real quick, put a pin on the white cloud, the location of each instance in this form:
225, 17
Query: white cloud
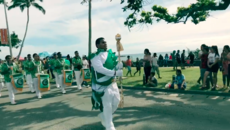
70, 18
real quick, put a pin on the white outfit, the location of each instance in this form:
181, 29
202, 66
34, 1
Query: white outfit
11, 91
38, 92
56, 79
61, 83
79, 79
154, 61
85, 64
212, 57
111, 97
1, 87
29, 81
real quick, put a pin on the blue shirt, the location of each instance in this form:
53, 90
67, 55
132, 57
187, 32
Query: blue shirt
180, 79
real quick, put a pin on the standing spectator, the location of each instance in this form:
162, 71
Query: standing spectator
147, 63
170, 57
191, 57
178, 59
174, 60
155, 66
166, 60
183, 59
85, 66
213, 66
202, 47
129, 65
161, 60
225, 61
138, 67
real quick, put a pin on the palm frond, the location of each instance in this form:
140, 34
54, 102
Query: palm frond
15, 5
22, 7
1, 1
39, 7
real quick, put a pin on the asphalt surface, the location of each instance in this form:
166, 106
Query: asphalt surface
144, 110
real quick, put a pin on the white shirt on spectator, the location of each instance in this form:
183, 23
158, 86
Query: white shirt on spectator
85, 64
154, 61
212, 57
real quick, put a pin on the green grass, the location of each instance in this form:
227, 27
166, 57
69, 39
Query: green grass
191, 75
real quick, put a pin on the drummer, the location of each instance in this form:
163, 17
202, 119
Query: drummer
28, 70
54, 69
37, 68
59, 65
7, 69
1, 79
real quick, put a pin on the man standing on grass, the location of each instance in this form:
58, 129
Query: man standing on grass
28, 71
77, 63
129, 65
106, 96
174, 59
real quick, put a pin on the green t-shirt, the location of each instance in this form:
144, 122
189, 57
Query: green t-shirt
28, 64
59, 65
76, 61
38, 67
7, 72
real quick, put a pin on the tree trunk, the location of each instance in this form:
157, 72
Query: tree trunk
28, 19
90, 30
8, 30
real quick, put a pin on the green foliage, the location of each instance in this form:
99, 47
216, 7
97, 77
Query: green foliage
197, 12
15, 41
22, 4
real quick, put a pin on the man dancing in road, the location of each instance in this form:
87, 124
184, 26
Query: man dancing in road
28, 70
106, 94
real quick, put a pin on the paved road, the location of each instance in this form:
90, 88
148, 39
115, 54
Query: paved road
143, 110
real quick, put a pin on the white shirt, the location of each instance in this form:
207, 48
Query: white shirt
212, 57
85, 64
154, 61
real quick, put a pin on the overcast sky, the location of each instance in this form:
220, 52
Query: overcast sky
64, 28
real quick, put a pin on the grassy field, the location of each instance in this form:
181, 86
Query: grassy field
191, 75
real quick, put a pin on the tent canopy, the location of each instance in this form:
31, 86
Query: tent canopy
44, 54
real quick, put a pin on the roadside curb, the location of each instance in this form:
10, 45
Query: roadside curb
208, 93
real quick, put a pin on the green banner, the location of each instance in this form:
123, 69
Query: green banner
86, 74
44, 81
18, 80
68, 76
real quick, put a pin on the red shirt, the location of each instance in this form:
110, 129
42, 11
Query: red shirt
129, 62
204, 61
170, 57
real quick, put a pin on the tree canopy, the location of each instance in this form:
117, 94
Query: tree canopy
15, 41
197, 12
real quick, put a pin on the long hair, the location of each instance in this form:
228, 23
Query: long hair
215, 48
147, 51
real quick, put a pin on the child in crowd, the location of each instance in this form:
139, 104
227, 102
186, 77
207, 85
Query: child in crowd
179, 80
152, 80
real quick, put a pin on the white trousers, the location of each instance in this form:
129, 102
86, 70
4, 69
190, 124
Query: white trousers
57, 79
61, 83
35, 83
29, 81
110, 102
1, 86
11, 91
79, 78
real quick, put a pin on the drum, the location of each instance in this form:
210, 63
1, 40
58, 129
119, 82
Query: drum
43, 82
68, 77
17, 81
86, 75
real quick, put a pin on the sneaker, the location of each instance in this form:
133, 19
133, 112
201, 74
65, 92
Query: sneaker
87, 86
63, 91
39, 97
83, 85
13, 103
0, 94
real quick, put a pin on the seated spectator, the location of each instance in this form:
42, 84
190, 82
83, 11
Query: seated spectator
152, 80
179, 80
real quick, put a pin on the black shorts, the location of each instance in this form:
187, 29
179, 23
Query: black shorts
214, 68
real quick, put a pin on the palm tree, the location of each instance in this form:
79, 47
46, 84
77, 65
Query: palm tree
8, 30
90, 25
22, 4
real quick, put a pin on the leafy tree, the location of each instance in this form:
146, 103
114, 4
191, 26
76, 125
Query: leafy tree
22, 4
15, 41
197, 12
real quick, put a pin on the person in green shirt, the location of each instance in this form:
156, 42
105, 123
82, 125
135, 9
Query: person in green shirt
54, 69
36, 68
77, 63
28, 70
59, 65
174, 59
7, 69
